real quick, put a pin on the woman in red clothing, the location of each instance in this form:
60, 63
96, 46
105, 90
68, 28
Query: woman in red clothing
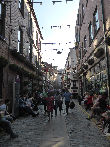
89, 103
50, 105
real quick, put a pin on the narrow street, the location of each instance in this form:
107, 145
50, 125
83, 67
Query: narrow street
62, 131
50, 50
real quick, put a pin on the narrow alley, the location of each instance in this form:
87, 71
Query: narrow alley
72, 130
53, 51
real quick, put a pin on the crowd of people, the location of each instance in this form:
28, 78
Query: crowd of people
99, 107
52, 102
28, 105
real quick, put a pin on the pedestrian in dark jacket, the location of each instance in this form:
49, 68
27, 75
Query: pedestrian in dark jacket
79, 99
58, 102
67, 96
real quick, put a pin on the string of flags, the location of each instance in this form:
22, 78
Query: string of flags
48, 43
60, 1
59, 26
56, 1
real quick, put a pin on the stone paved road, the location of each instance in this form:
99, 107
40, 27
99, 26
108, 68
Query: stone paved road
55, 134
29, 129
34, 132
82, 132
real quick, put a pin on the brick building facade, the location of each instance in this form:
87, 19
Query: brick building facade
20, 46
91, 31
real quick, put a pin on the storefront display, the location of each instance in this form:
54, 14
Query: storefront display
96, 78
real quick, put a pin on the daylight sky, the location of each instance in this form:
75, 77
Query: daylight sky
60, 14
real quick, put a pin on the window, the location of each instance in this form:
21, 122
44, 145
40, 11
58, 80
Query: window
96, 21
77, 19
86, 2
82, 12
19, 34
74, 83
78, 36
30, 53
40, 45
21, 7
36, 38
82, 50
68, 64
85, 45
2, 19
0, 11
85, 42
90, 33
79, 53
28, 20
80, 20
19, 4
34, 58
30, 26
20, 41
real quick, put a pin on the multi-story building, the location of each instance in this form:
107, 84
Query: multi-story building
20, 45
70, 76
49, 75
92, 35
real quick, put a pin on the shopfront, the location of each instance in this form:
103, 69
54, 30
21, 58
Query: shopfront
96, 78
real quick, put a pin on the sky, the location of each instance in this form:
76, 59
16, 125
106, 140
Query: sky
63, 15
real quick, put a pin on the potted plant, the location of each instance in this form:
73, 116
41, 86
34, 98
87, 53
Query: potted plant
99, 52
85, 66
91, 61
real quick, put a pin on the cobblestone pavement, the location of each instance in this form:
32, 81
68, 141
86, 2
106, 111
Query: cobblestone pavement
55, 134
82, 132
33, 131
29, 129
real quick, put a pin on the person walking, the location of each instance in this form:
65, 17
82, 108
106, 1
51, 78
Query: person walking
50, 104
44, 96
67, 96
58, 102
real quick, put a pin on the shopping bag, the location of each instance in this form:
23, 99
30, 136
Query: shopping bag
72, 105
